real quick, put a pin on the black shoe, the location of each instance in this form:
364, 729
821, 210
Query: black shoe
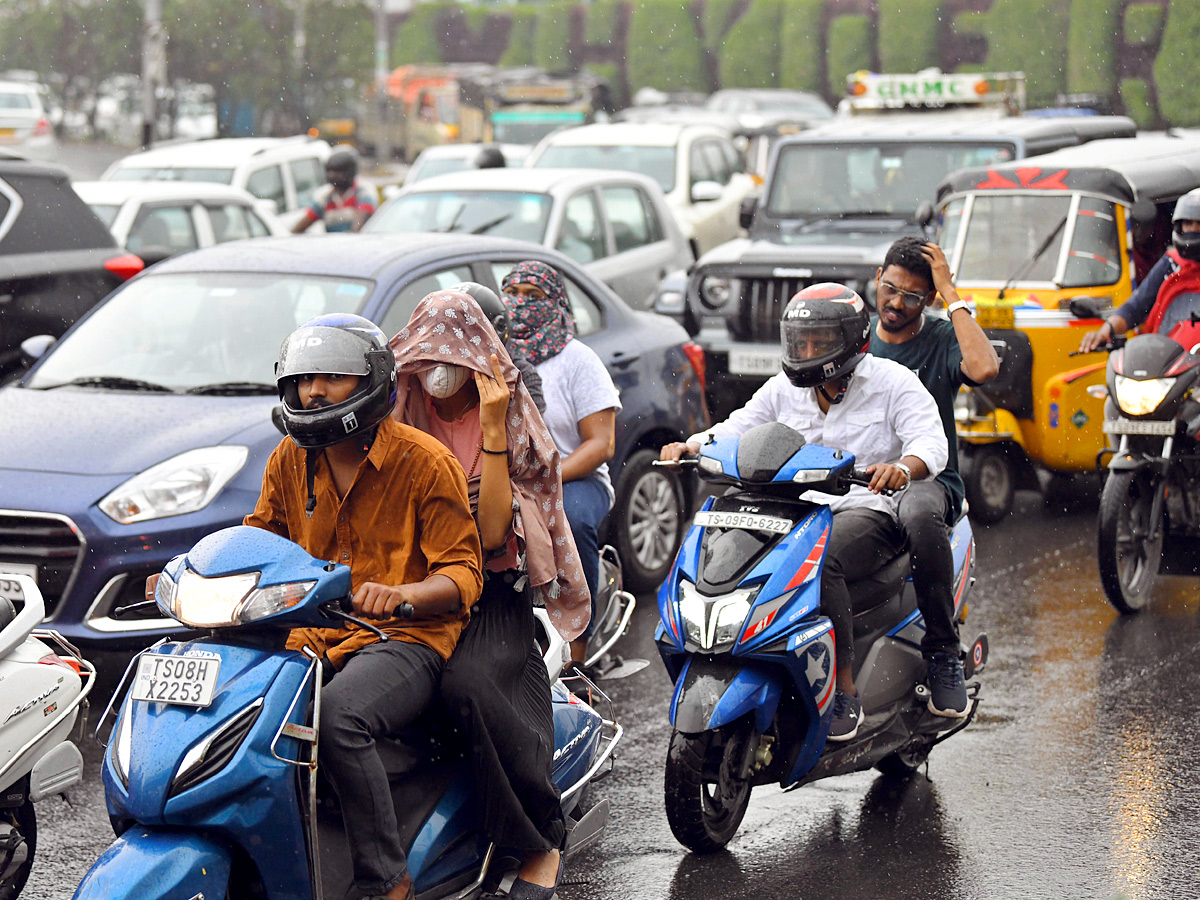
947, 687
847, 713
525, 890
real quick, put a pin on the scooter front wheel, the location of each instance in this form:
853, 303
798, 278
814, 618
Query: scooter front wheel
705, 797
1128, 558
22, 822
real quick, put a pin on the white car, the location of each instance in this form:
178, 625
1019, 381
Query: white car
616, 224
284, 171
444, 158
698, 168
158, 219
25, 126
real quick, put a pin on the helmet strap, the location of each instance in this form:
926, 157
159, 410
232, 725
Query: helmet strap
836, 398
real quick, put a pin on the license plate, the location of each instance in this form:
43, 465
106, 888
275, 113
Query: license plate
181, 680
747, 521
7, 132
1131, 426
754, 362
9, 589
995, 316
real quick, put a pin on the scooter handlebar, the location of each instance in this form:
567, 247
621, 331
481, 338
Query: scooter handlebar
861, 478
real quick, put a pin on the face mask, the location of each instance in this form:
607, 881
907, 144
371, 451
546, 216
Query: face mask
443, 381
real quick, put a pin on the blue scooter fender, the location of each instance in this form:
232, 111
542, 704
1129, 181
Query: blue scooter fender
154, 862
711, 693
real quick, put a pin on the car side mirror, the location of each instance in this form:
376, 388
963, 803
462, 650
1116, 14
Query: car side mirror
268, 209
1143, 212
34, 348
277, 419
706, 191
1084, 308
746, 210
924, 214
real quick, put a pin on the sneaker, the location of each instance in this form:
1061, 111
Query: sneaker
947, 687
847, 713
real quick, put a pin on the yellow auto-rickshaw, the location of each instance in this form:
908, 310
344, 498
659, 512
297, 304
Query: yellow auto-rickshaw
1024, 240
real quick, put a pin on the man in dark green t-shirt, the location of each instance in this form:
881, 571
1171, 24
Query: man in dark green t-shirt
945, 354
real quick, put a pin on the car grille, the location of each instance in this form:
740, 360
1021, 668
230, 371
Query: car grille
761, 306
52, 543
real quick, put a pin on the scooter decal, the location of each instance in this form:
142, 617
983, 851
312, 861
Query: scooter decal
808, 568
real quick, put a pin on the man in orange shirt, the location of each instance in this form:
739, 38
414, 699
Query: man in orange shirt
352, 485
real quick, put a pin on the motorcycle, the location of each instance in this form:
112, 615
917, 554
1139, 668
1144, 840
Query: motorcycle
211, 771
614, 609
1149, 521
45, 686
752, 657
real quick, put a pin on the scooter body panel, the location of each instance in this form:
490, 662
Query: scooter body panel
33, 694
160, 863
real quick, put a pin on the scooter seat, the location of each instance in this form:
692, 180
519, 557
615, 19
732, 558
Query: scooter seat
872, 591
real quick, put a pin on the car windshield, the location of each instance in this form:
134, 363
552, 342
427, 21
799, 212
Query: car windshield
656, 162
511, 214
440, 166
105, 212
812, 107
171, 173
1006, 231
195, 331
814, 180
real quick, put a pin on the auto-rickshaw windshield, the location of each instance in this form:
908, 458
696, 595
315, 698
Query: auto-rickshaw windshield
1004, 233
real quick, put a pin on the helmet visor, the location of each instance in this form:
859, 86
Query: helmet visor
319, 350
807, 344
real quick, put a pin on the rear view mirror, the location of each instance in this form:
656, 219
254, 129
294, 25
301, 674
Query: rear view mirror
34, 348
1143, 212
1084, 307
924, 214
706, 191
268, 209
746, 212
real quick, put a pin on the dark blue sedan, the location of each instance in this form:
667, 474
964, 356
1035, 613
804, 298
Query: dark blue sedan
148, 424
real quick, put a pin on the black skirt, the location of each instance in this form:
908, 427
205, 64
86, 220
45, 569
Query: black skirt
496, 689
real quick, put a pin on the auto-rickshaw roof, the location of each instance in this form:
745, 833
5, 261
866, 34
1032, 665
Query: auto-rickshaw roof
1158, 169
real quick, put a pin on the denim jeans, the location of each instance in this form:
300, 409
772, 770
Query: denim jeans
586, 503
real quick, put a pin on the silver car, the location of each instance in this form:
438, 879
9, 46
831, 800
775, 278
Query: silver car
25, 126
616, 224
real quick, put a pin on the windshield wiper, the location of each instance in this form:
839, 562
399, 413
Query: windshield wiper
488, 226
234, 388
1026, 266
116, 382
453, 223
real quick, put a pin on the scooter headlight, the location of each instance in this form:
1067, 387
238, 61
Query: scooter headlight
713, 623
1140, 398
229, 599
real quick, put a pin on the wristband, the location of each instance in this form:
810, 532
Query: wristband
906, 470
503, 452
957, 305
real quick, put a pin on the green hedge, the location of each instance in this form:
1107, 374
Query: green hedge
1175, 65
664, 50
1091, 46
908, 35
602, 21
552, 38
1135, 97
750, 54
801, 61
847, 50
714, 20
1143, 22
418, 40
519, 51
1026, 36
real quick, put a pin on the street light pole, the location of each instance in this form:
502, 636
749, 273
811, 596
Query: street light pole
154, 66
383, 146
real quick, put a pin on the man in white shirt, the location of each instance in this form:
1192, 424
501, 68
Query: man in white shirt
836, 395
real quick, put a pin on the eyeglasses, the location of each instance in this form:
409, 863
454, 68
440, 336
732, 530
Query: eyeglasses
889, 292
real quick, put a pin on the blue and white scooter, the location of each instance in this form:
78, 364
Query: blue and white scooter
752, 657
211, 770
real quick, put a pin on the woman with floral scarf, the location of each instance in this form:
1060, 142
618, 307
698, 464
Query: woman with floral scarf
457, 382
581, 407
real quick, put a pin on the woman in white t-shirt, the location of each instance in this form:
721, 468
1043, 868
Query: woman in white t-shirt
581, 408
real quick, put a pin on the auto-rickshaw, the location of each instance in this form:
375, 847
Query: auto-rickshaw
1024, 240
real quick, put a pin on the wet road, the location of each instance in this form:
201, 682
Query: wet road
1077, 779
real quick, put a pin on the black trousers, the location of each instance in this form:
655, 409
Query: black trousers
496, 689
924, 507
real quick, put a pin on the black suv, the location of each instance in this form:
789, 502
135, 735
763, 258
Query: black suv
834, 200
57, 259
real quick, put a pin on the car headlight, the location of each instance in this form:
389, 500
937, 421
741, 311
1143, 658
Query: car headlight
227, 600
1139, 398
715, 291
181, 484
714, 622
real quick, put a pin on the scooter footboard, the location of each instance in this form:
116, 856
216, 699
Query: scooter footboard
160, 863
711, 693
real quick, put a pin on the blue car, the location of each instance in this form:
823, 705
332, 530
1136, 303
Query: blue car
148, 424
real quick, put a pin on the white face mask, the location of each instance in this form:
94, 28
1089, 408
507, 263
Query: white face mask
443, 381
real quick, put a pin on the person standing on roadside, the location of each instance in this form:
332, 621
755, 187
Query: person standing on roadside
345, 203
945, 354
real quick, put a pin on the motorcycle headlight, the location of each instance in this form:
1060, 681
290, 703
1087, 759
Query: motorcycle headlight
1140, 398
716, 291
714, 622
229, 599
181, 484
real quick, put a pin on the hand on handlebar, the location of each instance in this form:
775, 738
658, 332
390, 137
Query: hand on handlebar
379, 601
886, 478
1096, 340
674, 452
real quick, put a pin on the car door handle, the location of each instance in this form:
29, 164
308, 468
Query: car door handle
622, 359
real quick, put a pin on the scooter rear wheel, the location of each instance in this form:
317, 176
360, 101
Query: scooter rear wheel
23, 819
903, 762
1128, 561
704, 798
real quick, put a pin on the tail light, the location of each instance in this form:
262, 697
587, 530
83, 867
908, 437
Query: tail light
125, 267
42, 128
53, 659
695, 354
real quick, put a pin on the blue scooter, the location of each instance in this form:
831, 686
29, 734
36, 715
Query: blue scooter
211, 771
752, 657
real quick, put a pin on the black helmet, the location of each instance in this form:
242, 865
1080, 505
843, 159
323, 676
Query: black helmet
490, 157
336, 344
343, 159
1186, 207
825, 330
493, 307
